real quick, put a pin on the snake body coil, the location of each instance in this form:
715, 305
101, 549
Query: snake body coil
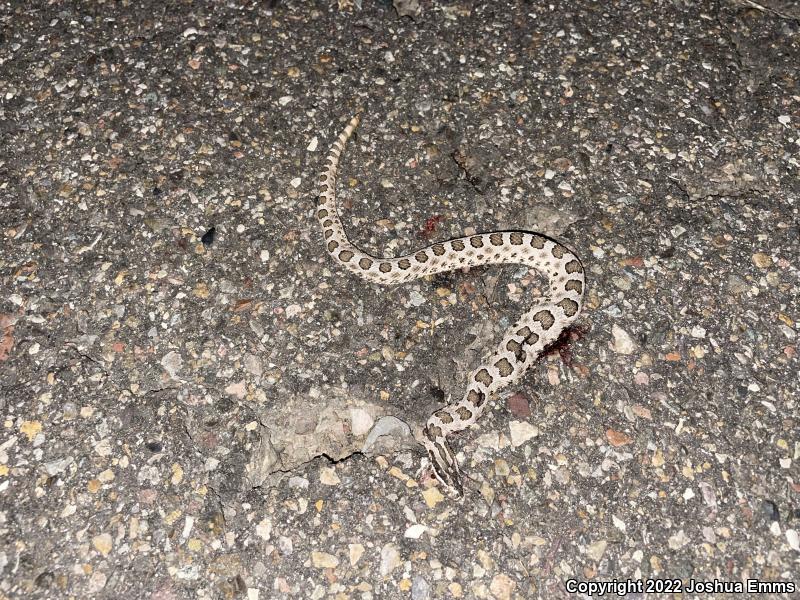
522, 343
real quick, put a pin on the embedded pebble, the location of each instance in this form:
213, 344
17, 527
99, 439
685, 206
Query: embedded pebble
623, 344
264, 529
678, 540
596, 550
432, 497
356, 551
297, 482
390, 559
415, 298
502, 586
388, 432
172, 363
420, 588
617, 438
519, 406
521, 432
415, 531
761, 260
286, 545
360, 421
794, 539
57, 466
736, 285
324, 560
328, 476
97, 581
698, 332
102, 543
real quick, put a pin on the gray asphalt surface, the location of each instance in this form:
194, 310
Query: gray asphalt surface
186, 379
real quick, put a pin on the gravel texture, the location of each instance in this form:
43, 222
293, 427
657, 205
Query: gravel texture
197, 403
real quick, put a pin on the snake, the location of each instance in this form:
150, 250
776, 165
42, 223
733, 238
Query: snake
541, 325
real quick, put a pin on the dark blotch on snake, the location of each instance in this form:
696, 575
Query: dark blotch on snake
476, 398
544, 317
574, 285
432, 432
457, 245
365, 263
515, 347
421, 256
569, 306
483, 377
504, 367
444, 416
404, 264
476, 241
345, 255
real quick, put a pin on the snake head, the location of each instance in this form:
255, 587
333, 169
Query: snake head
445, 466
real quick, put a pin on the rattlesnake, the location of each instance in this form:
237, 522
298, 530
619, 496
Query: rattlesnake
521, 344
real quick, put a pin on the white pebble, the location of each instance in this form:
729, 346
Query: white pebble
390, 559
677, 541
323, 560
596, 550
328, 476
415, 531
172, 363
793, 539
623, 344
618, 523
416, 298
521, 432
698, 332
360, 421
